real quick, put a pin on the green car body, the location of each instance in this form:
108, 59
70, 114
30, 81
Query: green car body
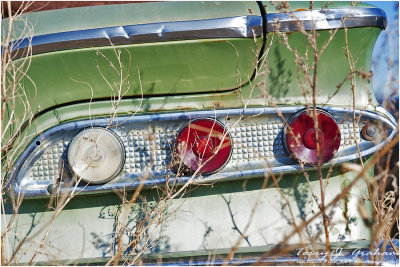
164, 80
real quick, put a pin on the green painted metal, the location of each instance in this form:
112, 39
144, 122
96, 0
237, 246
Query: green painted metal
74, 19
110, 72
144, 69
287, 83
200, 220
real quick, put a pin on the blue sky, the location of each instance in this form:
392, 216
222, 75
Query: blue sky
387, 47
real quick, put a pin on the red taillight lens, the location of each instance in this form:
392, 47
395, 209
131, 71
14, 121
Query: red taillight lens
204, 145
301, 137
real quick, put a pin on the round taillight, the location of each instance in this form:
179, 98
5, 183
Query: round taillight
301, 137
204, 146
96, 155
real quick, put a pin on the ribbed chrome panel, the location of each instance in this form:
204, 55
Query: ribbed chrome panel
47, 168
256, 142
141, 147
348, 134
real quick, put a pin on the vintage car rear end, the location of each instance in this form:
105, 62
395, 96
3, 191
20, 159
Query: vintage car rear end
190, 132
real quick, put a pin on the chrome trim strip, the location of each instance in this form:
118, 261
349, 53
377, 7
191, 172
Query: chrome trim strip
282, 165
233, 27
325, 19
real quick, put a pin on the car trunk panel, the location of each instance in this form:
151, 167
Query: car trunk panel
168, 68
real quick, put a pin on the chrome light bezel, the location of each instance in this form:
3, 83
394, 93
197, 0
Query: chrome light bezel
237, 168
73, 143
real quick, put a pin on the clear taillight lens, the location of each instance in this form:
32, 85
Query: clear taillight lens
96, 155
204, 145
301, 137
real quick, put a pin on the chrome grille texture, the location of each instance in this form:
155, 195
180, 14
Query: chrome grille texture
250, 142
49, 165
141, 147
347, 133
256, 142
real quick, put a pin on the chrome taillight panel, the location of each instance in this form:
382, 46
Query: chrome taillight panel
149, 142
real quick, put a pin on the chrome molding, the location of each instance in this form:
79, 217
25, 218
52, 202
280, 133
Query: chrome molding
233, 27
325, 19
256, 139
